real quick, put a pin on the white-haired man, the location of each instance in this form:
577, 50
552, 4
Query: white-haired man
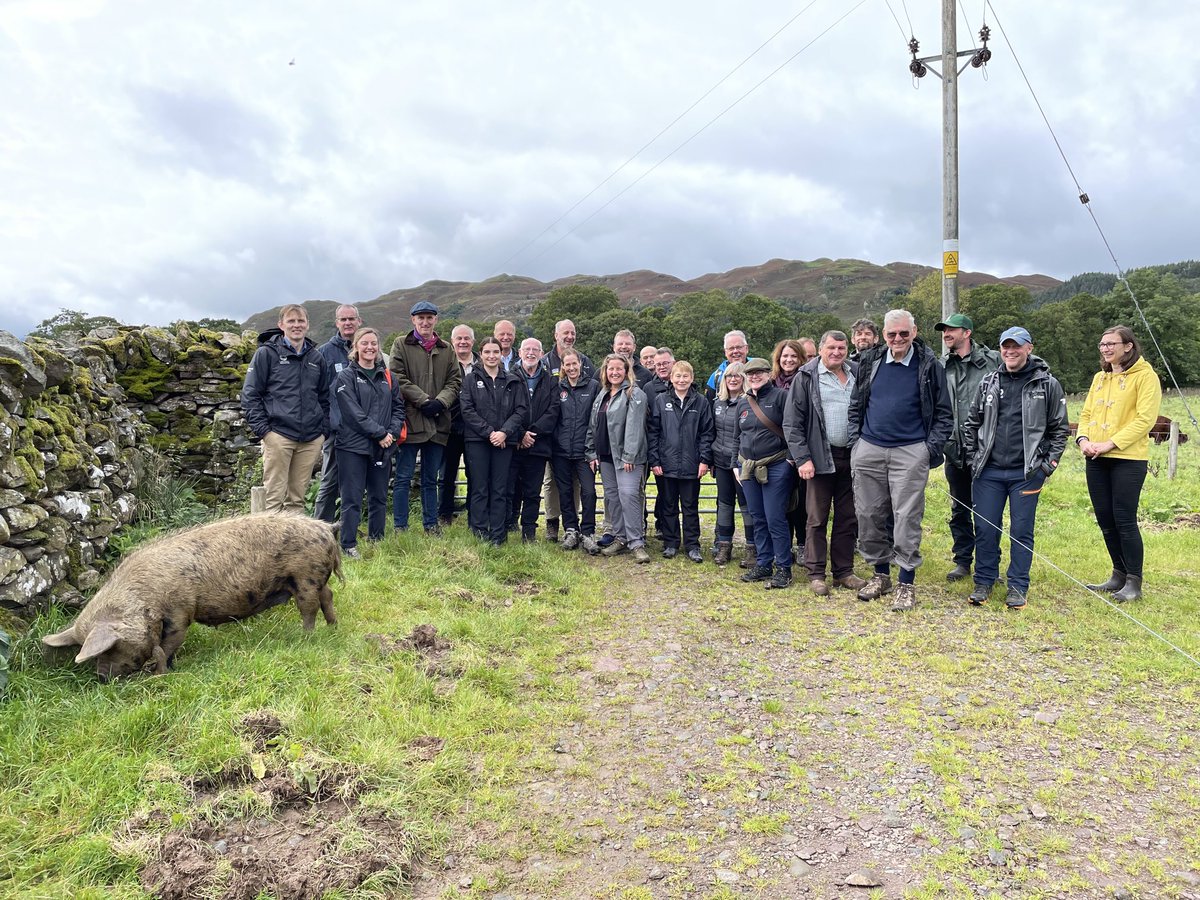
900, 418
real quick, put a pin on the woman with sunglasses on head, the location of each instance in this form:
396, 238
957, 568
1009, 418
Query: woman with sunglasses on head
1114, 437
787, 358
766, 474
729, 492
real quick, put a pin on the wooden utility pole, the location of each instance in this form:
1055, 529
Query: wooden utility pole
949, 76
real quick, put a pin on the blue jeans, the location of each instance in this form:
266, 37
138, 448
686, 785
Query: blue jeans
768, 505
991, 490
431, 472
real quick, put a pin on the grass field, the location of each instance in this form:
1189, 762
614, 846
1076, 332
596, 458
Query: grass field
403, 747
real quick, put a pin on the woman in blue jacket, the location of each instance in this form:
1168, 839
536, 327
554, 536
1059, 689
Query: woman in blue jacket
372, 417
680, 438
494, 406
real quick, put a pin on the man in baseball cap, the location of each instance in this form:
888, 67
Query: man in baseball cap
966, 362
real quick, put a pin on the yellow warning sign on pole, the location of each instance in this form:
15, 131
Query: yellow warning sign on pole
950, 263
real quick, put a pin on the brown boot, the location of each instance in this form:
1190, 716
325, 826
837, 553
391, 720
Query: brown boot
750, 558
724, 553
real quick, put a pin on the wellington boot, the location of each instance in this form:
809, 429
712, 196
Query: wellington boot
1131, 591
1115, 582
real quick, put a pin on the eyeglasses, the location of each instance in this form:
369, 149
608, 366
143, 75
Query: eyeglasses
1108, 345
896, 334
733, 377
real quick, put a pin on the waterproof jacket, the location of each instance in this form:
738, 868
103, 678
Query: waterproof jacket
574, 416
434, 375
1122, 407
543, 411
679, 434
493, 405
754, 440
370, 408
725, 429
1043, 417
641, 374
286, 391
626, 417
336, 351
936, 413
804, 418
963, 374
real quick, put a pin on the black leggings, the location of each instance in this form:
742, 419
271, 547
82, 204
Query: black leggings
1115, 485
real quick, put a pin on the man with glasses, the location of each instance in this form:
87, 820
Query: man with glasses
899, 420
736, 350
336, 351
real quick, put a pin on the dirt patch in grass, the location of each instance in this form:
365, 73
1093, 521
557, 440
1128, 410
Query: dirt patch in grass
289, 831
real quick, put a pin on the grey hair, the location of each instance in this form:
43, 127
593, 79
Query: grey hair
833, 335
896, 315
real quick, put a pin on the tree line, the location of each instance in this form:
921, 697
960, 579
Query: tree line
1065, 331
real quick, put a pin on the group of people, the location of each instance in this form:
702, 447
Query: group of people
841, 428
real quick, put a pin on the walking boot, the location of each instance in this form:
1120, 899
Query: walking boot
552, 530
1115, 582
723, 553
749, 558
1131, 591
781, 579
758, 573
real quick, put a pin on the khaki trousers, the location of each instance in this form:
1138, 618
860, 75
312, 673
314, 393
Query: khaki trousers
287, 470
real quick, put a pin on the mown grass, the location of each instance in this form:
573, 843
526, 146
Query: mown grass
78, 759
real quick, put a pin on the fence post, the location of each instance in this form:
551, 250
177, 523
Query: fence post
1173, 451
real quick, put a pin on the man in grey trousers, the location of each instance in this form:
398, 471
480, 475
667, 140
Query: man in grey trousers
900, 418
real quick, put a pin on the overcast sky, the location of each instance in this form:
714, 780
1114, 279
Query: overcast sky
168, 160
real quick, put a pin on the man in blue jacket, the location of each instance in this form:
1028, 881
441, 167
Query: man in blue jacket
286, 401
336, 351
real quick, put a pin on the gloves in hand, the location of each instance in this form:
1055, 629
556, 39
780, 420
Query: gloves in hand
433, 408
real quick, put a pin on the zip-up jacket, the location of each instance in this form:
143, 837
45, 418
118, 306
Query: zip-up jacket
499, 405
423, 376
543, 411
725, 429
370, 408
1122, 407
287, 391
804, 418
336, 351
755, 440
679, 434
456, 425
936, 413
963, 374
626, 417
1043, 417
574, 416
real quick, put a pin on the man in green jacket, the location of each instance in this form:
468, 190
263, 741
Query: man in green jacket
966, 362
429, 376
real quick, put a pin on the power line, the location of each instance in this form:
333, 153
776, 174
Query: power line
648, 143
904, 37
1086, 201
696, 133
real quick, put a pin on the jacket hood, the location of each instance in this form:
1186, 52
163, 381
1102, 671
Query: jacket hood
265, 337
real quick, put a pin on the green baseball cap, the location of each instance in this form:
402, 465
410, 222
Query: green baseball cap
958, 320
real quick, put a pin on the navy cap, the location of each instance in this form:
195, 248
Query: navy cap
423, 307
1016, 333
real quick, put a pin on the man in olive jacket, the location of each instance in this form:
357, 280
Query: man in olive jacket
966, 364
429, 376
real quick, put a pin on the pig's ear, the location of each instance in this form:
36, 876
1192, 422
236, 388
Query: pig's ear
62, 639
99, 639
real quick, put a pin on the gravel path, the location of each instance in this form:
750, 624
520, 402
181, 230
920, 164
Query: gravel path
726, 741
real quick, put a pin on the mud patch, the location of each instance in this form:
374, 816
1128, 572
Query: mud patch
276, 837
525, 587
426, 747
423, 639
260, 728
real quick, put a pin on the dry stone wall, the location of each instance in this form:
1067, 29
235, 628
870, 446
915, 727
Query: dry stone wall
76, 425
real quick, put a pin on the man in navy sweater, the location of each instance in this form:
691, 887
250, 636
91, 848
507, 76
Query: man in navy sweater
900, 418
